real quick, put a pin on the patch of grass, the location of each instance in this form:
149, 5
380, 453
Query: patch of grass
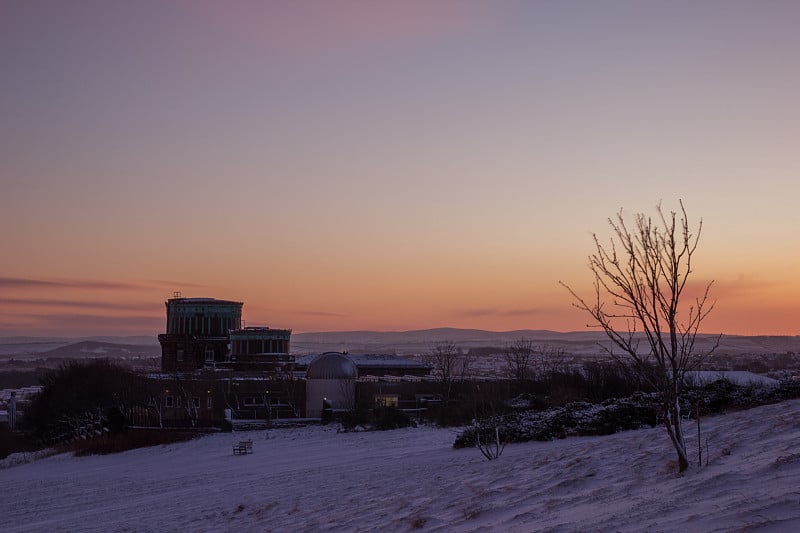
419, 522
472, 513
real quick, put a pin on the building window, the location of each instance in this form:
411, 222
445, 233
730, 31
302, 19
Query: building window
179, 354
386, 400
169, 401
208, 402
209, 355
196, 402
252, 400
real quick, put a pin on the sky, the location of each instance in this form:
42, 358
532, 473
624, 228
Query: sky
360, 165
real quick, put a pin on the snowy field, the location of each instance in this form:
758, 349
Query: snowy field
315, 479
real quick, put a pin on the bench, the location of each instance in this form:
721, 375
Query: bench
243, 447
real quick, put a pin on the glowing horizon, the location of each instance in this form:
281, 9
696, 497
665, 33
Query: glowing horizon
356, 165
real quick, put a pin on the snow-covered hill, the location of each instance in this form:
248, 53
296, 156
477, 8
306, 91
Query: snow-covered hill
315, 479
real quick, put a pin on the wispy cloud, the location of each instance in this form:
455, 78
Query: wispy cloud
88, 323
62, 283
732, 288
12, 283
33, 302
28, 283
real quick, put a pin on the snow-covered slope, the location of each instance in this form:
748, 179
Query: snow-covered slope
315, 479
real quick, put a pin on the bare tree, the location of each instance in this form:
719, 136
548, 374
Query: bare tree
640, 279
156, 404
449, 365
487, 422
191, 401
289, 387
490, 445
549, 360
526, 360
519, 356
347, 394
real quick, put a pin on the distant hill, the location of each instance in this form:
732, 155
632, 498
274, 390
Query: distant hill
576, 342
94, 349
33, 349
400, 342
130, 339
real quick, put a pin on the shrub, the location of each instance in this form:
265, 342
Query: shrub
11, 442
575, 419
82, 398
380, 419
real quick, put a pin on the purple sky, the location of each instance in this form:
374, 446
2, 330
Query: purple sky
387, 165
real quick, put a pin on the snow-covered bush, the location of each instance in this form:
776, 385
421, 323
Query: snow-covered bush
723, 395
611, 416
574, 419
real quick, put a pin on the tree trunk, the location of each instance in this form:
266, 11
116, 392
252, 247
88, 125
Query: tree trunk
672, 420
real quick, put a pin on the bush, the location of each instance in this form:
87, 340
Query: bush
611, 416
391, 418
80, 399
380, 419
723, 395
13, 441
575, 419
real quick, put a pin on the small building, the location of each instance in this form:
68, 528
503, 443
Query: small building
213, 369
330, 384
207, 397
332, 378
261, 349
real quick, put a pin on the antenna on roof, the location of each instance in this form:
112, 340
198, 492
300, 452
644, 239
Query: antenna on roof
176, 294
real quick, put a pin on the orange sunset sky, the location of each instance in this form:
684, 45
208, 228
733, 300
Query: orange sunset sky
353, 165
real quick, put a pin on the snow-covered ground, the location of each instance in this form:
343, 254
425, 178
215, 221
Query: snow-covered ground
315, 479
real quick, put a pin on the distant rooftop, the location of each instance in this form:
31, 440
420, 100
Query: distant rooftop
366, 360
256, 330
202, 301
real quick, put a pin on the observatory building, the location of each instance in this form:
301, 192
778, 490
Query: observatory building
207, 333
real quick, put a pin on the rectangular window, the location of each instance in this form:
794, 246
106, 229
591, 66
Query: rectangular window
179, 354
169, 401
196, 402
209, 355
208, 402
386, 400
252, 400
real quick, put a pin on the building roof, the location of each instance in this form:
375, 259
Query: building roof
332, 365
336, 365
195, 301
387, 360
255, 331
